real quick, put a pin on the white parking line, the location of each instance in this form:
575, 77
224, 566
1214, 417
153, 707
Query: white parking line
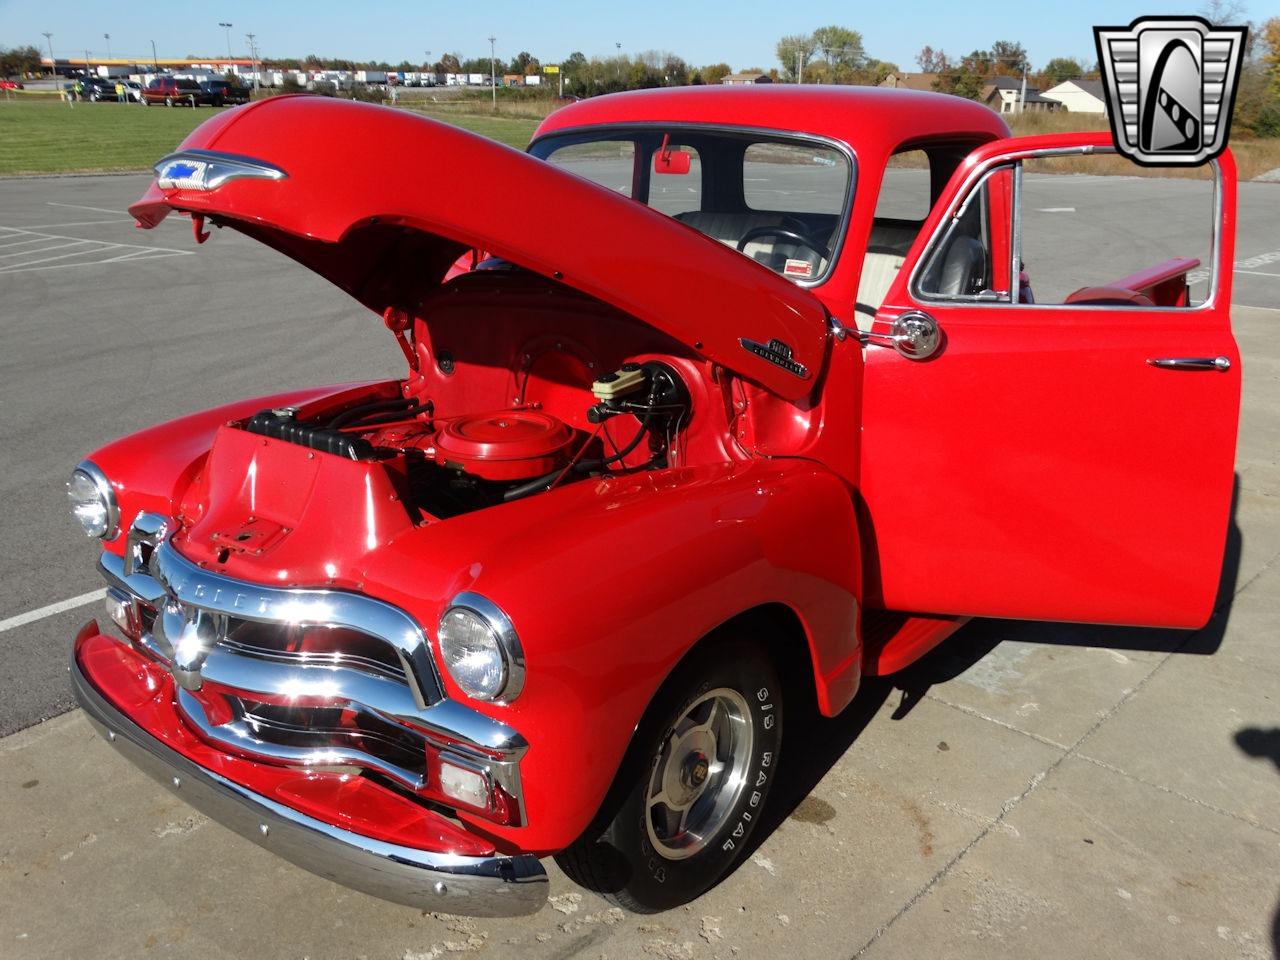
56, 246
75, 223
53, 609
81, 206
1258, 273
89, 252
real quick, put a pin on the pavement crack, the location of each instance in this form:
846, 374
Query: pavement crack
1012, 804
978, 714
1176, 793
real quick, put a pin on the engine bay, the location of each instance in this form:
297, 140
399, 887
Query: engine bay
449, 464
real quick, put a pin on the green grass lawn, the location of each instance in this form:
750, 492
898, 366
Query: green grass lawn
47, 136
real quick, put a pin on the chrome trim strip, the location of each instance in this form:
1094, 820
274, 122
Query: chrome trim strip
205, 590
979, 173
1015, 238
239, 736
94, 473
501, 625
427, 880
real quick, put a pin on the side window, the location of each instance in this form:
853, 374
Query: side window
610, 163
1092, 232
901, 208
971, 256
1078, 229
905, 192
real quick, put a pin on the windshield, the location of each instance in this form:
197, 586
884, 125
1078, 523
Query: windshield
779, 200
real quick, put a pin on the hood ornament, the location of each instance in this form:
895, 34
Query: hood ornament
208, 170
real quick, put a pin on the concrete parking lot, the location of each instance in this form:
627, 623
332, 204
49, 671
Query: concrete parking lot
1026, 790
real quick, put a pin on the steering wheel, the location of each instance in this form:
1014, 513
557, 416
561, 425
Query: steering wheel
785, 234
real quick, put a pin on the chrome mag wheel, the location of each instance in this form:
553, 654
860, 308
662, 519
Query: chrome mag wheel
699, 774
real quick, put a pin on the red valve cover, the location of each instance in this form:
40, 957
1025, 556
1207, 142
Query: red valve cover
506, 445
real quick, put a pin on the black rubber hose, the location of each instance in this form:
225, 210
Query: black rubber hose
368, 408
582, 466
392, 417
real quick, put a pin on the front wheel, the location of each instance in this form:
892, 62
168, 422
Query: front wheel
685, 803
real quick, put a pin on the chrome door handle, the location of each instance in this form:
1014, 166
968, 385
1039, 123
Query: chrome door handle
1192, 363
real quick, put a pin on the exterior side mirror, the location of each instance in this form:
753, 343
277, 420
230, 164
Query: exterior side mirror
915, 335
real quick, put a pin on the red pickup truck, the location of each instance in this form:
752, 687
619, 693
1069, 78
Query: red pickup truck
695, 429
181, 93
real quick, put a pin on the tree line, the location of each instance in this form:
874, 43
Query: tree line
831, 54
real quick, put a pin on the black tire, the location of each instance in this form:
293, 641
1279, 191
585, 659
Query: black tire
623, 854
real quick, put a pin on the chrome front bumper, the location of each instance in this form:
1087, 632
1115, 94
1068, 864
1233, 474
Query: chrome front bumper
479, 886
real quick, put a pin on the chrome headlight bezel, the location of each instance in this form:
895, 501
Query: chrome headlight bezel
106, 497
506, 644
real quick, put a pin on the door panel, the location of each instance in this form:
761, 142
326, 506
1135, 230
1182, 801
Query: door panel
1038, 465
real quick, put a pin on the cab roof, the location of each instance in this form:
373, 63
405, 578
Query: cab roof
871, 120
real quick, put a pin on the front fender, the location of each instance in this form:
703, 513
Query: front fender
611, 582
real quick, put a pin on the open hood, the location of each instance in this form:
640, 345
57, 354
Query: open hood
382, 203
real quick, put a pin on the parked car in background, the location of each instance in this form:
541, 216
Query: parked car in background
225, 92
133, 90
97, 89
764, 421
11, 85
173, 92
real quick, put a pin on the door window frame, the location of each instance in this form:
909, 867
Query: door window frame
978, 177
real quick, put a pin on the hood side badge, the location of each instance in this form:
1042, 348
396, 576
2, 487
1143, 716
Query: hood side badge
777, 353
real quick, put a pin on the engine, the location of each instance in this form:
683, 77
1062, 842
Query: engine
456, 462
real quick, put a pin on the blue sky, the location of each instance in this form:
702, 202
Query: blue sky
740, 33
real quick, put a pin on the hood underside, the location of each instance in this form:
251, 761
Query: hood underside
382, 203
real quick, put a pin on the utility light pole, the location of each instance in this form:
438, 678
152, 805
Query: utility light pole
227, 27
493, 73
155, 62
107, 37
253, 55
53, 64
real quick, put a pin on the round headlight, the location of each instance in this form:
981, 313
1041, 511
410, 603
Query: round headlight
479, 648
93, 502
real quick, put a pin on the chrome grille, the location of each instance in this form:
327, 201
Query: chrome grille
317, 679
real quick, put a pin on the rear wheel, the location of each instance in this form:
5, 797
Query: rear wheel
684, 805
168, 101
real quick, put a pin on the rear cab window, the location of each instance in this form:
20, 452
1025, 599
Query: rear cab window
780, 200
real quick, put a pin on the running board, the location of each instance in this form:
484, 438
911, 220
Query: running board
892, 640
